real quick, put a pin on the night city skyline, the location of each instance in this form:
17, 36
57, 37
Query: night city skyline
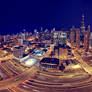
30, 14
45, 46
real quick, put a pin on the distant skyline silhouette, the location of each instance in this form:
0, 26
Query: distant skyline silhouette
16, 15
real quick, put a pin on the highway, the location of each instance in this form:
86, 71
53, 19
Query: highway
18, 79
85, 66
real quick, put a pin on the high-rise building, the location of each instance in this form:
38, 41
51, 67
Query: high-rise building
82, 28
23, 35
86, 39
60, 37
65, 53
55, 37
41, 35
52, 35
6, 38
83, 23
1, 39
60, 53
78, 38
90, 40
20, 41
36, 34
56, 53
26, 35
72, 36
18, 51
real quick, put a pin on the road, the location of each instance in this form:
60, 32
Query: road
18, 79
85, 66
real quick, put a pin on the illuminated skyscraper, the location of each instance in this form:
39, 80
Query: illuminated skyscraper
78, 38
55, 37
83, 24
60, 53
41, 35
60, 37
20, 41
72, 36
56, 53
18, 51
23, 36
86, 39
90, 41
82, 28
36, 34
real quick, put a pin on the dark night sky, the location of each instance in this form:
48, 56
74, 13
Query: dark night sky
18, 14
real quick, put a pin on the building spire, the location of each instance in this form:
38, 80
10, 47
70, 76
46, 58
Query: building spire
82, 22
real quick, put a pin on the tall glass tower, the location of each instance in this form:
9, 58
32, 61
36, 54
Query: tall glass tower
83, 24
82, 28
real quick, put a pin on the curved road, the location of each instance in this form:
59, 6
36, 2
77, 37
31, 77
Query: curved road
18, 79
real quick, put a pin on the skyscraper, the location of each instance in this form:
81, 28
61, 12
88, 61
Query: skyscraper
72, 36
82, 28
56, 53
18, 51
78, 38
36, 34
20, 41
60, 37
83, 24
86, 39
90, 41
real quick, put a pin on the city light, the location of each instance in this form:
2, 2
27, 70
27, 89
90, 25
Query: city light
47, 60
76, 66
